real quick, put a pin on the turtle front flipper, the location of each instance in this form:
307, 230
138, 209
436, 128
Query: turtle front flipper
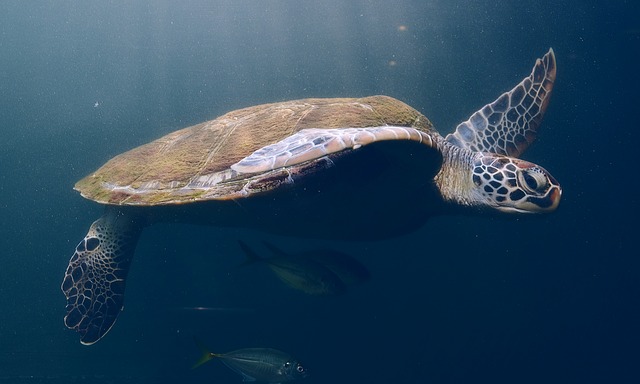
509, 124
94, 281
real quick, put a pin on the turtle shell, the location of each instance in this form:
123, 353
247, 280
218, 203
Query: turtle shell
165, 171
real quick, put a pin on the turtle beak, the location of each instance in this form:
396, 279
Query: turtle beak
550, 201
546, 203
537, 200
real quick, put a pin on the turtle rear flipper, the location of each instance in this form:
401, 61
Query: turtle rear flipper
94, 281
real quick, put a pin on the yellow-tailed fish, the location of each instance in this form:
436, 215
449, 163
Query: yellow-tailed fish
257, 364
305, 275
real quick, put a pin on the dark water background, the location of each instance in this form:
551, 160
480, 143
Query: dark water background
549, 299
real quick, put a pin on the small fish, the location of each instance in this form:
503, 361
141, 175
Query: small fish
347, 268
257, 364
305, 275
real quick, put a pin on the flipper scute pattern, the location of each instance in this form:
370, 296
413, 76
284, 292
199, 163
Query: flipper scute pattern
94, 281
509, 124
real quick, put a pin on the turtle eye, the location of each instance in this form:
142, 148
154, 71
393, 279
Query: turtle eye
533, 181
300, 368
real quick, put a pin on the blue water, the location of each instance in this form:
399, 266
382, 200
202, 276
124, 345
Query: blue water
466, 299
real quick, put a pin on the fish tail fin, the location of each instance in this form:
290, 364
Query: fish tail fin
252, 257
206, 354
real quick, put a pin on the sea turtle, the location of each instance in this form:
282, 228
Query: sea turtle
359, 168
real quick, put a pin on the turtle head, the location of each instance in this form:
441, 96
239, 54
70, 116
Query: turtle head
513, 185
